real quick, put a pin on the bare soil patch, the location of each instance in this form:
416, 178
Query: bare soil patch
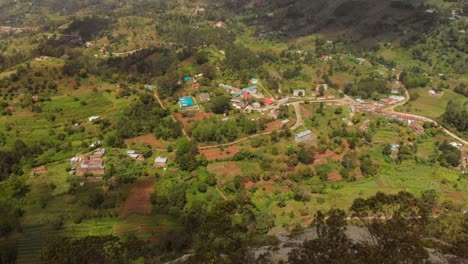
191, 117
334, 176
216, 153
228, 169
138, 199
456, 196
272, 126
149, 139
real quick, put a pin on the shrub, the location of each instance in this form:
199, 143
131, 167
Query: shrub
202, 188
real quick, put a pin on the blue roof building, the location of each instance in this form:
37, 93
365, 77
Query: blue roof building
186, 101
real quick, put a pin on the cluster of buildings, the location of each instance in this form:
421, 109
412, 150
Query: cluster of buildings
249, 98
89, 163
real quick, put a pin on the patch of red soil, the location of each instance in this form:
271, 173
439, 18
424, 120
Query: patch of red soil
249, 184
357, 173
216, 153
191, 117
456, 195
138, 199
272, 126
334, 176
149, 139
321, 158
341, 81
267, 186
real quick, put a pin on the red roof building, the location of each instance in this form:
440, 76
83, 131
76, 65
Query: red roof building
268, 101
246, 95
196, 85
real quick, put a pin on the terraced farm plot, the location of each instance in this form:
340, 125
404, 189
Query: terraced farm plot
138, 200
145, 226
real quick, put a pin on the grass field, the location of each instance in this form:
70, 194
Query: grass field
432, 106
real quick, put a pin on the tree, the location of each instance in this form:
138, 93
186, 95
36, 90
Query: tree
221, 104
201, 57
456, 114
331, 244
395, 224
306, 155
349, 160
368, 167
186, 155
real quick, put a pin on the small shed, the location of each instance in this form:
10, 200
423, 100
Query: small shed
160, 161
303, 136
299, 92
38, 170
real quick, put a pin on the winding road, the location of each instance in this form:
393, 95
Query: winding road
391, 110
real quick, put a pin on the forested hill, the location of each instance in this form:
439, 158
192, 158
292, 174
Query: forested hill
354, 19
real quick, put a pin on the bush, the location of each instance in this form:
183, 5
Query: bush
202, 188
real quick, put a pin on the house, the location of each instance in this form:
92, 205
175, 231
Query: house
220, 24
326, 58
74, 160
93, 118
284, 122
10, 108
101, 151
239, 103
299, 92
42, 58
254, 80
38, 170
204, 97
187, 78
136, 155
456, 144
35, 98
196, 85
274, 113
256, 105
150, 87
303, 136
268, 101
361, 60
360, 101
394, 147
324, 85
246, 95
160, 161
94, 144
